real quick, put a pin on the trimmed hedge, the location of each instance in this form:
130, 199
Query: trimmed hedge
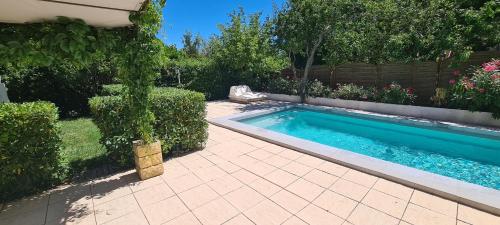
179, 122
29, 148
111, 90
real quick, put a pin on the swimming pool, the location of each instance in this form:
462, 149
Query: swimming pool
466, 156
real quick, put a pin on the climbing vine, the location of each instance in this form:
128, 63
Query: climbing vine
135, 50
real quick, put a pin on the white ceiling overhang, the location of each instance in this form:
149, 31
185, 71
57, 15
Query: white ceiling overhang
100, 13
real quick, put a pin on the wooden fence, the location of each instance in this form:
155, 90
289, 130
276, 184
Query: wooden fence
419, 75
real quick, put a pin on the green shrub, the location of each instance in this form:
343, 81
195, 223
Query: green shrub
179, 122
196, 74
67, 87
111, 90
354, 92
478, 92
29, 148
395, 94
281, 85
317, 89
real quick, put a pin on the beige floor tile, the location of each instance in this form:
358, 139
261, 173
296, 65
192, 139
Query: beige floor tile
133, 218
296, 168
34, 217
349, 189
229, 167
335, 203
277, 161
385, 203
364, 215
104, 192
260, 168
70, 192
333, 169
434, 203
239, 220
276, 149
314, 215
458, 223
394, 189
320, 178
196, 164
264, 187
243, 161
260, 154
164, 210
174, 170
153, 194
184, 182
364, 179
291, 154
209, 173
198, 196
244, 176
215, 212
305, 189
254, 142
25, 205
143, 184
267, 213
476, 217
225, 184
417, 215
186, 219
115, 208
281, 178
292, 203
310, 161
244, 198
294, 221
74, 210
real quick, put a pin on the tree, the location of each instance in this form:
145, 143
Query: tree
302, 27
244, 50
192, 45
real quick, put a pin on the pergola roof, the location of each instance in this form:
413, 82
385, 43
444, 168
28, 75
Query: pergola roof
101, 13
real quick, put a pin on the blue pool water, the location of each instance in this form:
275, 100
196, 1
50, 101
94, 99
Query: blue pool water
468, 157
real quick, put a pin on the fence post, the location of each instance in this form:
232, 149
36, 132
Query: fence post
413, 69
380, 77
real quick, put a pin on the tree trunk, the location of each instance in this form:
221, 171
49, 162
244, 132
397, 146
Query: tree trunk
307, 69
303, 81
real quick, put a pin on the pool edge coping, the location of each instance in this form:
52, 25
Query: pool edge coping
480, 197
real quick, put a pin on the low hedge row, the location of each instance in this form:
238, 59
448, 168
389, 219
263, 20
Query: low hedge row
29, 148
179, 122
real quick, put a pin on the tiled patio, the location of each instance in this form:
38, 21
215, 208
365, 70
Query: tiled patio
240, 180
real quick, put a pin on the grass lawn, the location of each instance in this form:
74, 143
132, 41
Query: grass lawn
81, 148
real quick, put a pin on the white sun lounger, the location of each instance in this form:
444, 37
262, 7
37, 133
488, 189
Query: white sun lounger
243, 94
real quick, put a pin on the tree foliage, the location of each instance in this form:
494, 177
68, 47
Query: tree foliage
192, 44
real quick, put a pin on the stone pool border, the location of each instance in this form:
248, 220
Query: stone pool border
483, 198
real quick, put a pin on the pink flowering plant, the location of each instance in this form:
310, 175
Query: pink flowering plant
396, 94
478, 91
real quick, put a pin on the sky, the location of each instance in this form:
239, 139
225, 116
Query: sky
203, 16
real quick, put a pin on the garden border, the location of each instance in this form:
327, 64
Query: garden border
483, 198
433, 113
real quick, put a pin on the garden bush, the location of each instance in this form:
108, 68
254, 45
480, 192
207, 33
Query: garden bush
179, 122
29, 148
196, 74
396, 94
317, 89
68, 87
354, 92
281, 85
479, 91
111, 90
